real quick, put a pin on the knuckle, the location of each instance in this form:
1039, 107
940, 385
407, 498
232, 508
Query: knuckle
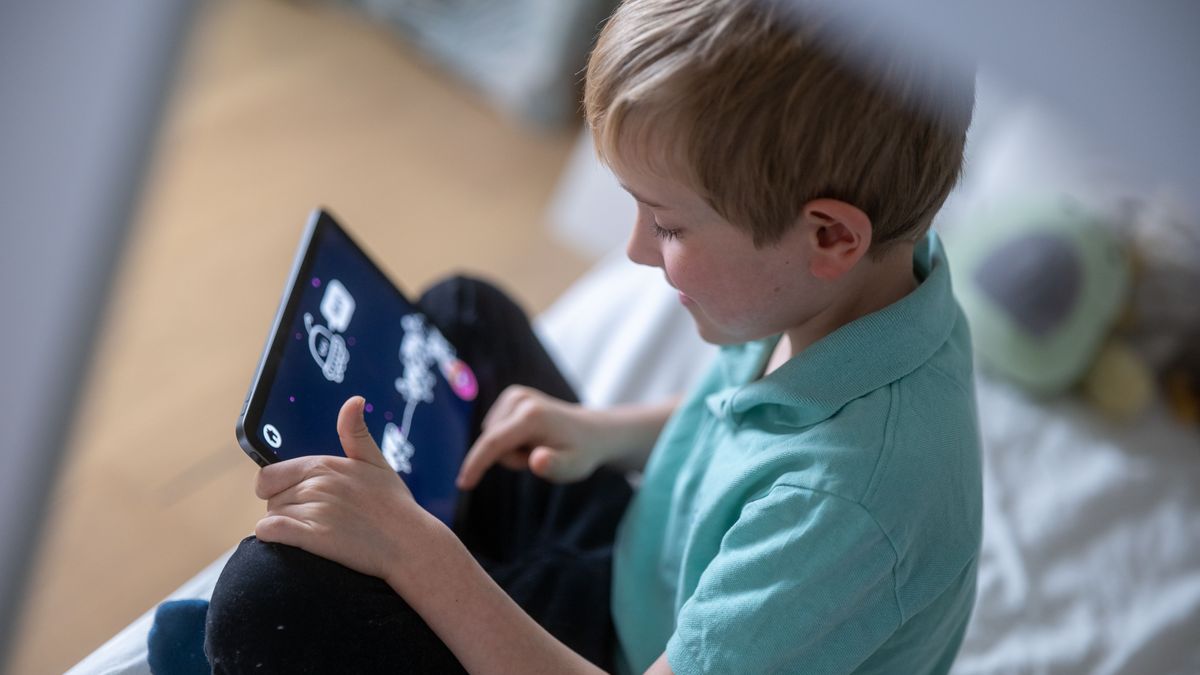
507, 397
531, 412
315, 465
306, 491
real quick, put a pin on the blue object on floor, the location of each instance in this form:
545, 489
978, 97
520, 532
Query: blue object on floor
175, 644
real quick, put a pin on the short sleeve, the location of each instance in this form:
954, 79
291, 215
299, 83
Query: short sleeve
803, 582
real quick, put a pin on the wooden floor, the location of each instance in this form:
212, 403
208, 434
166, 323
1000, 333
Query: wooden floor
280, 107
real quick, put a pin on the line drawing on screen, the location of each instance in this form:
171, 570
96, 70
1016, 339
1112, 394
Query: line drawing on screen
422, 348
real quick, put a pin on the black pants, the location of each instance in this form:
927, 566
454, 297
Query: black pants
278, 609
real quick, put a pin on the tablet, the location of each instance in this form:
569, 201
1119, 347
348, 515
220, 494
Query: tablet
344, 329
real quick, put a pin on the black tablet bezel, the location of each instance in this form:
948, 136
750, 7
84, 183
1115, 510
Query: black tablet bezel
320, 223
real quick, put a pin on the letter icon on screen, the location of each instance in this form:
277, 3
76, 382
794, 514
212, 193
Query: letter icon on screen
337, 306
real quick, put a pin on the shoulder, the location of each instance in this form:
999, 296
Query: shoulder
908, 456
931, 446
926, 491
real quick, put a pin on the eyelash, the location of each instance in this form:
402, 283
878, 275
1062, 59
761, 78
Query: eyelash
663, 233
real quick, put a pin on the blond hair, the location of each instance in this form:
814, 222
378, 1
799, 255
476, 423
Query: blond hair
761, 109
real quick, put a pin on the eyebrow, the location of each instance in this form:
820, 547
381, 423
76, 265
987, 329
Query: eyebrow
640, 198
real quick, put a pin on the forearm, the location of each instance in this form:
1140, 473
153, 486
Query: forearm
634, 429
486, 630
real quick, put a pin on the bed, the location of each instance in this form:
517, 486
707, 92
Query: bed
1091, 552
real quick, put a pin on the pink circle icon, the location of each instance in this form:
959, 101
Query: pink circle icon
462, 380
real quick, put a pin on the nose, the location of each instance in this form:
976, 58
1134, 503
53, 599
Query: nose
643, 247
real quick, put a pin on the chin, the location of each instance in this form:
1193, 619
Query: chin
736, 334
715, 335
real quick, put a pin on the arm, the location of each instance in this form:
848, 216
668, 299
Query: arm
632, 431
562, 441
477, 620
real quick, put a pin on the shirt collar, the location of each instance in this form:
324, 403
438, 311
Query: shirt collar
854, 360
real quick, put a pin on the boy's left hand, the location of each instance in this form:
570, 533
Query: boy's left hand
354, 510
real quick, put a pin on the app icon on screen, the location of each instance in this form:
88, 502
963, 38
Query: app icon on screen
328, 350
272, 436
337, 306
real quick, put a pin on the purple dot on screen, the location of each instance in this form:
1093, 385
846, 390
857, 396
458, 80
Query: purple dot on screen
291, 399
388, 415
369, 408
316, 282
350, 341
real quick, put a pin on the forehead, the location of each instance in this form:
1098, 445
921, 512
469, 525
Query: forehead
650, 169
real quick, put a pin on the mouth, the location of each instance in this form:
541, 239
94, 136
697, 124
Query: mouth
683, 297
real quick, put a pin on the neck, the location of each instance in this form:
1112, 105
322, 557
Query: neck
869, 287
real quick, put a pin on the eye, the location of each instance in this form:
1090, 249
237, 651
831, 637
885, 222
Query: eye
664, 233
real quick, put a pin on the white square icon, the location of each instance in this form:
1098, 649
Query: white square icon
337, 306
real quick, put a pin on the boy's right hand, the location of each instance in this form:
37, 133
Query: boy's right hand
559, 441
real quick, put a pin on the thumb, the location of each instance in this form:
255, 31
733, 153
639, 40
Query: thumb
560, 466
356, 439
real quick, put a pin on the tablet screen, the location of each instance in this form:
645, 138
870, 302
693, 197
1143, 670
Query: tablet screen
345, 329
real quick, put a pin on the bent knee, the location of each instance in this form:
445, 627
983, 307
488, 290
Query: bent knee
462, 299
275, 577
281, 605
278, 608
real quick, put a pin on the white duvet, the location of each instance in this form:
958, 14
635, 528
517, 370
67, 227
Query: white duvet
1091, 550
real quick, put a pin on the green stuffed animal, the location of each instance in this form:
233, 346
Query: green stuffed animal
1044, 284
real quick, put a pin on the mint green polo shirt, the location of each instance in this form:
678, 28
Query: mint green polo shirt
825, 518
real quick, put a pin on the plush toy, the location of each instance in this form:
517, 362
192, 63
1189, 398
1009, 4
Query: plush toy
1182, 384
1044, 284
1164, 231
1095, 285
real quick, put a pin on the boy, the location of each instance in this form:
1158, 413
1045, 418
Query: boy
814, 505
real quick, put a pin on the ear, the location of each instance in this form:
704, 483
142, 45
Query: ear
839, 236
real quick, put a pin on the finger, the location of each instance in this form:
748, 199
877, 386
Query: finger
283, 530
505, 403
275, 478
356, 439
558, 466
304, 492
493, 444
517, 460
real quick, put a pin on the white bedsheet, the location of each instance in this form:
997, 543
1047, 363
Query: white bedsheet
1091, 552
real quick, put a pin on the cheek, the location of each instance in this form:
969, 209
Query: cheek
731, 294
686, 271
706, 275
718, 290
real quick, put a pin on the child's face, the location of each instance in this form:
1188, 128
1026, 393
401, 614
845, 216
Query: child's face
734, 291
